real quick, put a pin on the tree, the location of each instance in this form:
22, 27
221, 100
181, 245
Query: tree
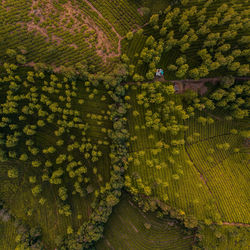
150, 41
245, 39
63, 193
190, 222
36, 190
129, 36
13, 173
194, 73
11, 53
36, 164
163, 31
184, 47
150, 75
172, 67
69, 230
154, 19
202, 120
203, 70
182, 71
180, 60
112, 200
243, 70
234, 66
32, 179
23, 157
21, 59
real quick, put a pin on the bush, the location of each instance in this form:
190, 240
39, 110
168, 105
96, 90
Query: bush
21, 59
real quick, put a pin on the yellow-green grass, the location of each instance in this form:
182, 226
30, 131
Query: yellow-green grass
7, 235
203, 187
126, 230
189, 193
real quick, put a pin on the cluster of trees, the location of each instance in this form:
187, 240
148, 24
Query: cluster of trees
108, 196
191, 37
232, 95
152, 204
218, 50
168, 114
41, 103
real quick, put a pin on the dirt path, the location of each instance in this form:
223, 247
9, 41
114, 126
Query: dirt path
120, 38
196, 85
107, 21
236, 224
202, 177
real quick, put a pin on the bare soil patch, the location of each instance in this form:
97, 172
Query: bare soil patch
46, 16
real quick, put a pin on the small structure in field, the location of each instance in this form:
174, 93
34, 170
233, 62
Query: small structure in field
176, 88
159, 73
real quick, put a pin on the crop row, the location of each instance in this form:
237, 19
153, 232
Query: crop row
131, 233
122, 14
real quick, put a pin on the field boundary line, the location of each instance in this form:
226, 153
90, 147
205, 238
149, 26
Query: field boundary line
202, 177
107, 21
206, 139
236, 224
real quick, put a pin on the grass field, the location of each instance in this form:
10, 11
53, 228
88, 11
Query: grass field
194, 180
126, 230
225, 172
17, 194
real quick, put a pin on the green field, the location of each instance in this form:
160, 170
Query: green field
225, 172
191, 179
126, 230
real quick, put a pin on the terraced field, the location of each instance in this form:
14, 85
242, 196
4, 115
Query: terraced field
66, 32
197, 177
122, 14
225, 172
126, 230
